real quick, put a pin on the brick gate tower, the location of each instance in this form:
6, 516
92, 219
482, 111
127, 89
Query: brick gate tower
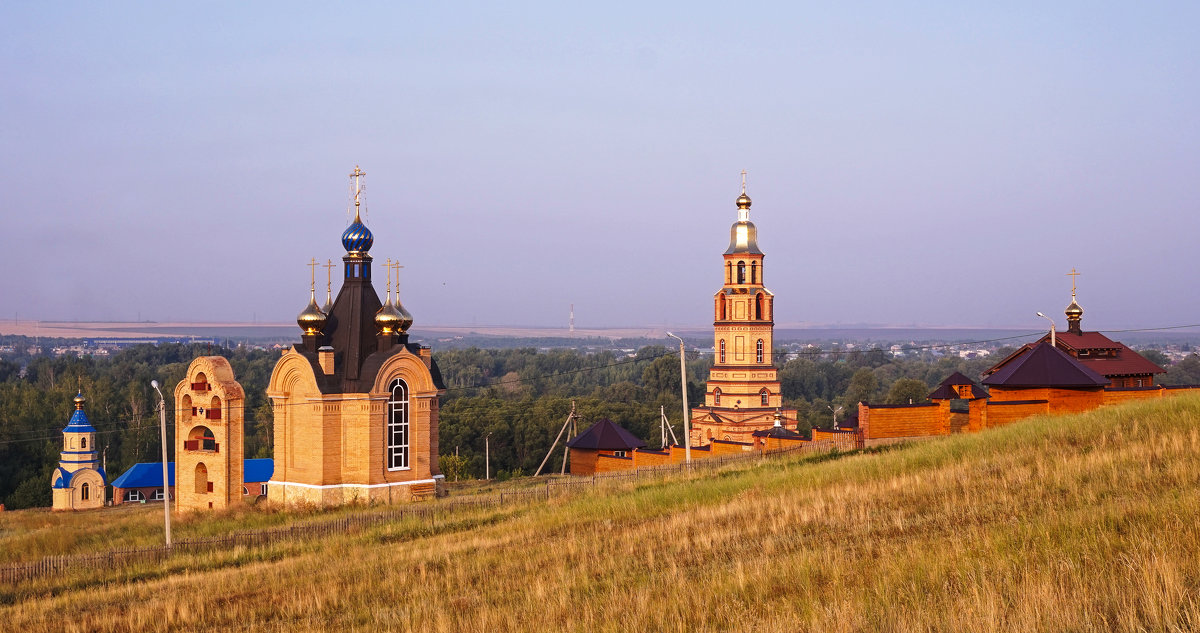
743, 384
209, 436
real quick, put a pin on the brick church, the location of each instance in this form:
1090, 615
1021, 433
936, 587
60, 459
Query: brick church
355, 403
743, 392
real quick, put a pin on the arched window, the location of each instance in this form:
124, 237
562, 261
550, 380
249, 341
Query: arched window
721, 355
85, 492
753, 272
201, 478
728, 272
741, 272
765, 396
758, 306
721, 314
717, 397
83, 442
758, 352
397, 426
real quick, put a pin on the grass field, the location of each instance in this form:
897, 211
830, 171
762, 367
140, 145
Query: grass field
1079, 523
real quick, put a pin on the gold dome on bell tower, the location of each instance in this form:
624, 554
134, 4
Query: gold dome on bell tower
1074, 311
311, 319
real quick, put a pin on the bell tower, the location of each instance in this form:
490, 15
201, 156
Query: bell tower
743, 384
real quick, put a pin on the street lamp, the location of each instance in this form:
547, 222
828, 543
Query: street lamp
835, 412
1052, 341
162, 425
687, 427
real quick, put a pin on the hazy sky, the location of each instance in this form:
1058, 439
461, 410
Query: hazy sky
910, 163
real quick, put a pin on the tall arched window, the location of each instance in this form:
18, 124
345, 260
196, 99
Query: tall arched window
741, 272
721, 315
758, 306
717, 397
201, 479
83, 442
85, 492
721, 355
728, 272
397, 426
758, 352
765, 396
753, 272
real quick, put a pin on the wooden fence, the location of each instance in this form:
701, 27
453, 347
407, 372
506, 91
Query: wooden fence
112, 559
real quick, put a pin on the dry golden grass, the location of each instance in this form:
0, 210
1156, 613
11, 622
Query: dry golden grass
1081, 523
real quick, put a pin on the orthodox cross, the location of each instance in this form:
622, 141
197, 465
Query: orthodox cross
397, 266
1073, 275
357, 175
313, 265
743, 181
389, 283
329, 278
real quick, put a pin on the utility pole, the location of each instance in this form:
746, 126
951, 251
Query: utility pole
487, 457
687, 427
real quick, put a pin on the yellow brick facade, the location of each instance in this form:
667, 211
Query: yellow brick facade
330, 449
209, 437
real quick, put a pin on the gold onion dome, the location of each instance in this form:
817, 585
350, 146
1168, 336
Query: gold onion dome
79, 400
406, 318
1074, 311
743, 235
388, 319
312, 319
743, 201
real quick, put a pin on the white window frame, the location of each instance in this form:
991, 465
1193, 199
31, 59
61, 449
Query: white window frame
158, 495
398, 434
133, 495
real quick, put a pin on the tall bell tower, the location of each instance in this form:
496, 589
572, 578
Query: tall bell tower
743, 384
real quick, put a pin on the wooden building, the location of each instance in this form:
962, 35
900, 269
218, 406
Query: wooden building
743, 391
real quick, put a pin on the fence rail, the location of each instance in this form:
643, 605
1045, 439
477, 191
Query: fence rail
49, 565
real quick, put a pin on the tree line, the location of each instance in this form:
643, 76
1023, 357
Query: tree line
517, 398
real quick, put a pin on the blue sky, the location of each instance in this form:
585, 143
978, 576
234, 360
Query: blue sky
910, 163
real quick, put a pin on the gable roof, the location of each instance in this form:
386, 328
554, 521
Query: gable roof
946, 389
1044, 365
606, 435
1127, 362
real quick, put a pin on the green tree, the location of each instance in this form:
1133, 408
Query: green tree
862, 388
907, 390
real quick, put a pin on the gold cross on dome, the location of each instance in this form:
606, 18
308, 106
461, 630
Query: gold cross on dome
397, 266
357, 175
1073, 275
313, 265
743, 181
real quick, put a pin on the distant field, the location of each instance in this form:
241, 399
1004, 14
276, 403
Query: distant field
1075, 523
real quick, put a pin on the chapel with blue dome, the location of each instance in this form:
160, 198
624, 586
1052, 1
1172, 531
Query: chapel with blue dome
79, 481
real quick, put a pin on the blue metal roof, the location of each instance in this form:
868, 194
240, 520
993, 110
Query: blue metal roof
149, 474
64, 479
79, 423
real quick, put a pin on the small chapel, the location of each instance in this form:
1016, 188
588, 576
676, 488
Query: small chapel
79, 481
355, 403
743, 390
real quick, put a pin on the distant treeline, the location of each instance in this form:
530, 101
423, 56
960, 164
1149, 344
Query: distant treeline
518, 396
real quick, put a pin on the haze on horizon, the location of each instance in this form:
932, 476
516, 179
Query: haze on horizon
910, 163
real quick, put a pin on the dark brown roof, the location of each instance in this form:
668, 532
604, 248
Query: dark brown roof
1045, 366
946, 389
777, 431
606, 435
1126, 362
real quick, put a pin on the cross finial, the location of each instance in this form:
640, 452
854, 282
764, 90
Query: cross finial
1073, 275
329, 278
743, 181
397, 266
313, 265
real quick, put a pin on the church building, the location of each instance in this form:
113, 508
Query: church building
1120, 366
79, 481
743, 390
355, 403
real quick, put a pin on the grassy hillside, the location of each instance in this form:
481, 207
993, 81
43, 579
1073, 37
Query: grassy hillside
1083, 523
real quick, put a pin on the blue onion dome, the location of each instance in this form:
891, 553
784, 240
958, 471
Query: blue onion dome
357, 237
79, 422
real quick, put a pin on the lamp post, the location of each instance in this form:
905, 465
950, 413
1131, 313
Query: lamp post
1053, 343
687, 427
162, 425
487, 457
835, 412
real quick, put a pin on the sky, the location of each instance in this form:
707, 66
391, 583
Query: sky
923, 163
